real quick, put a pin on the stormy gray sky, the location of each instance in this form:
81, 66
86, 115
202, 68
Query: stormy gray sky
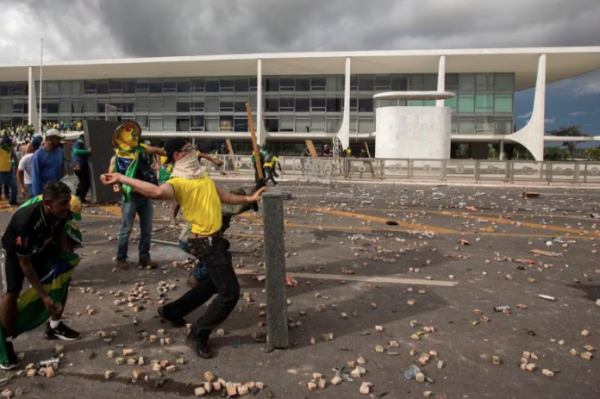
90, 29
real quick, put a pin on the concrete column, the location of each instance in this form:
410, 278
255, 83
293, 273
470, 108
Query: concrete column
532, 134
344, 132
441, 79
274, 239
32, 111
261, 137
501, 156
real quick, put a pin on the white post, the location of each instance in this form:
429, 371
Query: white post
344, 132
501, 150
260, 137
441, 86
41, 90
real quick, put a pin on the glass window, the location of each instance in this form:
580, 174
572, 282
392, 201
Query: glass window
272, 84
77, 105
241, 85
141, 104
17, 107
52, 108
451, 102
226, 106
76, 88
383, 82
184, 86
212, 86
286, 104
253, 101
197, 122
170, 123
302, 104
212, 105
365, 126
466, 82
240, 106
317, 104
454, 124
503, 125
333, 125
504, 82
142, 87
156, 87
386, 103
485, 124
286, 123
451, 81
365, 105
102, 87
65, 105
429, 103
302, 84
317, 123
271, 105
115, 86
484, 103
183, 125
6, 89
226, 84
6, 107
503, 103
353, 124
272, 124
169, 104
127, 108
318, 83
431, 82
211, 124
197, 85
353, 104
416, 82
415, 103
53, 89
334, 104
399, 83
485, 82
89, 105
142, 121
466, 102
169, 87
156, 125
240, 124
65, 89
253, 83
353, 83
128, 87
156, 104
466, 125
366, 83
226, 124
197, 106
302, 125
334, 83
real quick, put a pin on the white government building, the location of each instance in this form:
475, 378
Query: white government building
411, 104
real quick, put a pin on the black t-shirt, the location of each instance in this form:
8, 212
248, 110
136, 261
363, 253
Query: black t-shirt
30, 231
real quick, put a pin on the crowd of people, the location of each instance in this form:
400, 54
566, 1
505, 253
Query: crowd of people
40, 239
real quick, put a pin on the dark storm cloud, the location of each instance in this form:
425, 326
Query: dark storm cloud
84, 29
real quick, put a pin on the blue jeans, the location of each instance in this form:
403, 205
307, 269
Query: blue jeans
143, 208
201, 270
10, 180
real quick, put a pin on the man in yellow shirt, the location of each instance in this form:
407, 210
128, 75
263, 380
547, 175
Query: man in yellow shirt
200, 200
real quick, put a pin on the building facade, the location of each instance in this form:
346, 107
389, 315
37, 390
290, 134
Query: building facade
293, 96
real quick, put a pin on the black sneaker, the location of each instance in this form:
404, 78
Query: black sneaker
200, 346
177, 323
13, 360
61, 332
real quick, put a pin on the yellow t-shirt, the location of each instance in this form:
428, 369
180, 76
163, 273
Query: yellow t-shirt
200, 203
5, 160
271, 162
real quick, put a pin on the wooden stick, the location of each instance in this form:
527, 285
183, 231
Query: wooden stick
369, 155
254, 145
311, 149
230, 148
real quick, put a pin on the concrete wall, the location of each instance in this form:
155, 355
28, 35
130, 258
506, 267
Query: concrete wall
413, 132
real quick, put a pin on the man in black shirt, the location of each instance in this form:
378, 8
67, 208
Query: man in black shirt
32, 235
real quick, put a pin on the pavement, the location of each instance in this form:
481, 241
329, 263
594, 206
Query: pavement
390, 258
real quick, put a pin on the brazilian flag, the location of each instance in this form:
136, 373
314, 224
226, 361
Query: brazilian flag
126, 163
31, 312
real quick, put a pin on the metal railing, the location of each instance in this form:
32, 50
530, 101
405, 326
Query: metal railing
456, 170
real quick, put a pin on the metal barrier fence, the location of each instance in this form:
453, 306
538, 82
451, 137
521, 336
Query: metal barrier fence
475, 171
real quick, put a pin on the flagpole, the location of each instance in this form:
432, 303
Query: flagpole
41, 67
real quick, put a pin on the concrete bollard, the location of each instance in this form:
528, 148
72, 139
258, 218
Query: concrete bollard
274, 243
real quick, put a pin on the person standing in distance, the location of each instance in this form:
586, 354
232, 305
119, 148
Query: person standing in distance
79, 161
47, 164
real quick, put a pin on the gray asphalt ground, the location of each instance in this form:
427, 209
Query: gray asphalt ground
346, 258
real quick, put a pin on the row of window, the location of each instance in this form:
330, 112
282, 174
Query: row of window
500, 82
